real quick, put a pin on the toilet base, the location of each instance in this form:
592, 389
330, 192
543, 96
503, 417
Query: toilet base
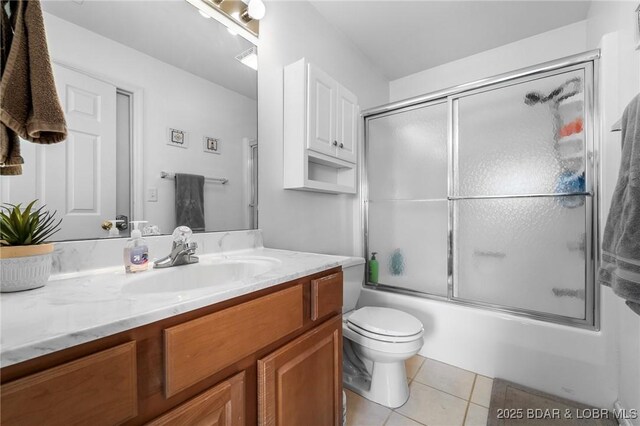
388, 385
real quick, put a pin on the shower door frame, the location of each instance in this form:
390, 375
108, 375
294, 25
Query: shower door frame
587, 61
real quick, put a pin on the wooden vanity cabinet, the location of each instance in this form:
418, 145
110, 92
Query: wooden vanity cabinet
272, 357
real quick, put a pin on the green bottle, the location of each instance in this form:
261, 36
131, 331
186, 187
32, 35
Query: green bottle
373, 268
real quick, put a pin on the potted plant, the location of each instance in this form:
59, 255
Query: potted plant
25, 258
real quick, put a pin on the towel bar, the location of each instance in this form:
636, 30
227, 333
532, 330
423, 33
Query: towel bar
167, 175
617, 126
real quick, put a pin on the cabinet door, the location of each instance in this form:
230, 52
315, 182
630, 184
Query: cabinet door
347, 114
321, 99
222, 405
301, 383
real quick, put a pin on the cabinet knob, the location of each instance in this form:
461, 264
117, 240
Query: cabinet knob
335, 143
341, 145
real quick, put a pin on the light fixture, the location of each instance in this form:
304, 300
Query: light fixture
204, 14
255, 10
249, 58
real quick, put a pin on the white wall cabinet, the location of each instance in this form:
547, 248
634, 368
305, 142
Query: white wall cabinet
321, 121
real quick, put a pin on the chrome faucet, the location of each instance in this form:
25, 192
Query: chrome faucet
182, 251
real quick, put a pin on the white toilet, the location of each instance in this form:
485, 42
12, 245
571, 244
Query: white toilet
377, 341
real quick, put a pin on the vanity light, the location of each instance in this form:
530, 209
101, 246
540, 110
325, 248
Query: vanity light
255, 10
204, 14
249, 58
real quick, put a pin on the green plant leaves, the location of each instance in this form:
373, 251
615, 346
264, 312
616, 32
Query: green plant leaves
19, 227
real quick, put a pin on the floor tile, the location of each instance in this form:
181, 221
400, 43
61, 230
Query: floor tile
446, 378
476, 415
412, 365
481, 394
362, 412
398, 420
433, 407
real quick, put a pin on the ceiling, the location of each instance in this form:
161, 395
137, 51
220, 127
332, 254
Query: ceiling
404, 37
170, 31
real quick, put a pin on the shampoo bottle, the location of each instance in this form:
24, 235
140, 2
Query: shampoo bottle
373, 268
136, 252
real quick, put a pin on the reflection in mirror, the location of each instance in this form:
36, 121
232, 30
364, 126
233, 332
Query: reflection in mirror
150, 91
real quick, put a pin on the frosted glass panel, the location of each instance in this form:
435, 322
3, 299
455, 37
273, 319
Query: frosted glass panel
411, 240
524, 253
526, 138
407, 154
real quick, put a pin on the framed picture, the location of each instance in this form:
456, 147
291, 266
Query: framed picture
211, 145
178, 138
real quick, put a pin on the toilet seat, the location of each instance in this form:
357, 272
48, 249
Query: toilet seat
385, 324
380, 345
382, 337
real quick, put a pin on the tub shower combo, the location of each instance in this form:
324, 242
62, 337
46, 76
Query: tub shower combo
486, 194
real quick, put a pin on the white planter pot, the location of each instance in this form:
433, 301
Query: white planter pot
24, 267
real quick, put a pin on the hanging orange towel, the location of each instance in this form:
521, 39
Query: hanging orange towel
569, 129
29, 104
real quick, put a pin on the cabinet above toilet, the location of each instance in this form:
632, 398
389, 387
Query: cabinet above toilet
320, 131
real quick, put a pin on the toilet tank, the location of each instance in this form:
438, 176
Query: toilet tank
353, 274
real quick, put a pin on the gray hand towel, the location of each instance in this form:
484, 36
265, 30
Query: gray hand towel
190, 201
620, 267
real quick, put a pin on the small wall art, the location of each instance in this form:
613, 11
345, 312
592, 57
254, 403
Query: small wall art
178, 138
211, 145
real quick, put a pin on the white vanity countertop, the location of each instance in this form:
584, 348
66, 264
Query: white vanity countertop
75, 308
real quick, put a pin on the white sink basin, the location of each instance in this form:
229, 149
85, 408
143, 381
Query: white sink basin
209, 272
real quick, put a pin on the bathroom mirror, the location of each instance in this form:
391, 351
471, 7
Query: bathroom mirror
149, 90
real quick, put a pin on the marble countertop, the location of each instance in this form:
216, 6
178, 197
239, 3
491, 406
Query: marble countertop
79, 307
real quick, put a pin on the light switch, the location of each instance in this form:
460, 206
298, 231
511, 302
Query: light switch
152, 194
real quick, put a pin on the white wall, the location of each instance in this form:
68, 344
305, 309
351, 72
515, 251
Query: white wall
534, 50
565, 361
611, 28
302, 220
172, 98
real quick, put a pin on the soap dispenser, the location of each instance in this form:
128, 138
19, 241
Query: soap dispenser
136, 252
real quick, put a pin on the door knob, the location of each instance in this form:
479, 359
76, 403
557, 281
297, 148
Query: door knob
341, 145
335, 143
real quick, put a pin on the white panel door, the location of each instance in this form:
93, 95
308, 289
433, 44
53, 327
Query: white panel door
76, 177
86, 161
347, 125
321, 100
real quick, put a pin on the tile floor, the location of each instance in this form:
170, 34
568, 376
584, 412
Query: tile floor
440, 395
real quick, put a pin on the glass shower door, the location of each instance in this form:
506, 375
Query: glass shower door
521, 202
407, 170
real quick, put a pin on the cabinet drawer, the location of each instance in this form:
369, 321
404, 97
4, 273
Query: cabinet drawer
197, 349
221, 405
326, 295
99, 389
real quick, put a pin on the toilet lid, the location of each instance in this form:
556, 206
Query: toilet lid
386, 321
